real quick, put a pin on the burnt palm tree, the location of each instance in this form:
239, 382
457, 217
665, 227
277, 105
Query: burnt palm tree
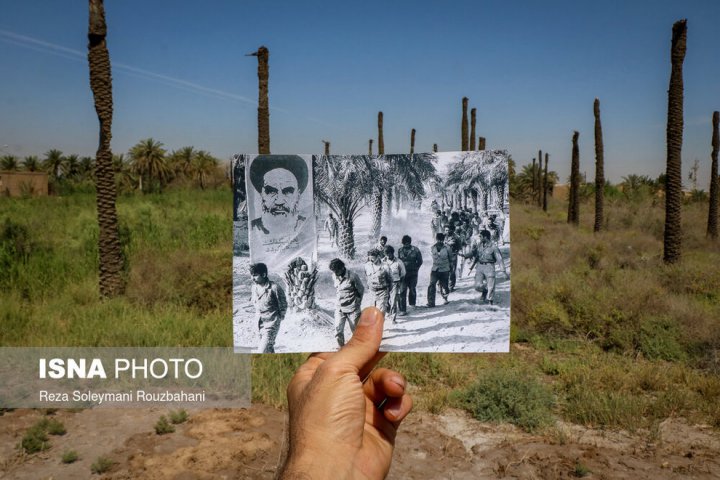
412, 141
574, 200
379, 192
464, 126
473, 121
712, 228
327, 146
672, 241
599, 169
262, 55
540, 178
435, 147
481, 143
110, 252
370, 146
344, 183
545, 183
534, 177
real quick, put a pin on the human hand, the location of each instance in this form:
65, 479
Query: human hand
336, 428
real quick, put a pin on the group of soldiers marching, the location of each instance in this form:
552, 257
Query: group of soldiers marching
460, 236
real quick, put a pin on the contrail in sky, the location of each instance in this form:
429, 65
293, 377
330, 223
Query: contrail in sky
72, 54
79, 55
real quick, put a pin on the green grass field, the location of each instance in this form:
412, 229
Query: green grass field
603, 333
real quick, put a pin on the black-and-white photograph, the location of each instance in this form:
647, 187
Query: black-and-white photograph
423, 237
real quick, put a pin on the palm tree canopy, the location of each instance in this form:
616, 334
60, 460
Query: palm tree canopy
148, 158
345, 182
53, 162
31, 163
9, 162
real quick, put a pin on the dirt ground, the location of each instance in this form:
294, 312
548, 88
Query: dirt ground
246, 444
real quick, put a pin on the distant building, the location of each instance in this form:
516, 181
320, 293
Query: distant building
23, 184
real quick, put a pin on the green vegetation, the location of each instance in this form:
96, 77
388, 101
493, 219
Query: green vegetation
71, 456
101, 465
163, 426
600, 323
178, 416
36, 437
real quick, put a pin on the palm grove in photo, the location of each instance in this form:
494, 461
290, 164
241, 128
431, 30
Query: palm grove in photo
423, 237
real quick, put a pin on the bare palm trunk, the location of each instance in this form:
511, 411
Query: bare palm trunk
481, 143
327, 147
412, 141
534, 178
540, 173
381, 140
435, 147
545, 182
473, 121
263, 105
573, 203
673, 183
599, 169
712, 228
464, 126
111, 261
370, 147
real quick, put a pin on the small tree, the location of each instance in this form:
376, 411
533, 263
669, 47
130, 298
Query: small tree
712, 228
599, 169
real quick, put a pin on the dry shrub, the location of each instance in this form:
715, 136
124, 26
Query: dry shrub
195, 280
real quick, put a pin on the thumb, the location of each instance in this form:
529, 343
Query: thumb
364, 343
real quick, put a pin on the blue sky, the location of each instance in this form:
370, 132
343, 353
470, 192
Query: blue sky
531, 68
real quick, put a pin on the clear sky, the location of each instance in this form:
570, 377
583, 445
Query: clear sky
531, 68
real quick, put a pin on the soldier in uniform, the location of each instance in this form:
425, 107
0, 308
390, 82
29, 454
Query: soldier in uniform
485, 255
412, 259
440, 271
396, 269
350, 291
453, 243
378, 280
270, 306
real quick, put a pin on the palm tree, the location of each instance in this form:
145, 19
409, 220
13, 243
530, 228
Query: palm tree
379, 193
262, 55
204, 165
344, 183
545, 183
410, 174
148, 160
481, 143
72, 166
473, 120
712, 228
86, 167
534, 177
464, 125
9, 162
599, 169
540, 176
412, 141
53, 162
31, 163
181, 161
110, 252
435, 147
327, 147
370, 146
574, 201
673, 183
